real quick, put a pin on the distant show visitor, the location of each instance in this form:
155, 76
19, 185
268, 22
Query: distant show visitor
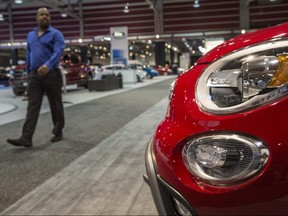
45, 46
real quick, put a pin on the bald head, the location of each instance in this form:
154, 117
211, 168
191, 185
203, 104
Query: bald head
42, 9
43, 18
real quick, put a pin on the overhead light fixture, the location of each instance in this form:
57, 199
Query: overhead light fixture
196, 4
18, 1
126, 8
1, 17
63, 14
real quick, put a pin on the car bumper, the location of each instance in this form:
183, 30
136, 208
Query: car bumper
260, 197
20, 85
4, 82
168, 200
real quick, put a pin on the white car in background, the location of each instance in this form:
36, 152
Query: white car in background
104, 70
129, 75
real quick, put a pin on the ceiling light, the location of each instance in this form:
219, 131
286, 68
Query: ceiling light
126, 8
196, 4
18, 1
63, 14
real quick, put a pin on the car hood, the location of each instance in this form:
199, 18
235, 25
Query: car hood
244, 40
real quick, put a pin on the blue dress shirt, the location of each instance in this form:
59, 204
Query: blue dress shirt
44, 50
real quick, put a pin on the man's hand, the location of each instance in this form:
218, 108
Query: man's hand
43, 70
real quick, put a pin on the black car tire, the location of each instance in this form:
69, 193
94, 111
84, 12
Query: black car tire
18, 92
149, 76
139, 79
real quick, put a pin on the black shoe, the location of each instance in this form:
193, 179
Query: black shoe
20, 142
56, 138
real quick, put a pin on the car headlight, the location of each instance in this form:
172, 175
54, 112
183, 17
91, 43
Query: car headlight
245, 79
224, 159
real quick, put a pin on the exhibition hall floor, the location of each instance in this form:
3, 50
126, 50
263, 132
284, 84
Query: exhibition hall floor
97, 168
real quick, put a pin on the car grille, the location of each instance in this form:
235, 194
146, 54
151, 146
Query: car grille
19, 75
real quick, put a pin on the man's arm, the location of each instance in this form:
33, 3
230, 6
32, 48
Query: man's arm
59, 45
28, 57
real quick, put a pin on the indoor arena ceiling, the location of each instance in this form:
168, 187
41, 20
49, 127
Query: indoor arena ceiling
182, 23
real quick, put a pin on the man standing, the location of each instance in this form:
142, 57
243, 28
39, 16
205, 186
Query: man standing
45, 45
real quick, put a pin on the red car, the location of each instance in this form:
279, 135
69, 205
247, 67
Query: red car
76, 72
71, 66
162, 70
222, 147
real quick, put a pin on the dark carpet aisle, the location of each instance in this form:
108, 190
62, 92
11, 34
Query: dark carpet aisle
87, 125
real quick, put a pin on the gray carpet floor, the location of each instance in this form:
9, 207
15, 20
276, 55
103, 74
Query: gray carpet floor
108, 133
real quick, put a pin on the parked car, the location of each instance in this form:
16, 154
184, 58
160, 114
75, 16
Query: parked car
71, 66
4, 76
150, 73
163, 70
95, 68
18, 79
222, 147
76, 72
105, 70
129, 74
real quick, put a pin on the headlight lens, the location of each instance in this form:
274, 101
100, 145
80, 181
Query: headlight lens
245, 79
224, 159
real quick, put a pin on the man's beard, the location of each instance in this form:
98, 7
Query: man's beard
44, 25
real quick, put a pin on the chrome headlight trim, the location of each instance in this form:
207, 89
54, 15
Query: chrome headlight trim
253, 156
203, 95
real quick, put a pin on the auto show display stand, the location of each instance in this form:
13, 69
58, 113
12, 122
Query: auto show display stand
108, 82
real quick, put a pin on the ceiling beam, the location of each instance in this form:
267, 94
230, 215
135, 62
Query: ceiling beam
246, 3
244, 18
152, 3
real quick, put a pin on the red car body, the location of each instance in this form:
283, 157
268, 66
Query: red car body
187, 159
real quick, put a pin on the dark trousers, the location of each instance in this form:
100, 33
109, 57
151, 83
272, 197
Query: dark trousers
51, 84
